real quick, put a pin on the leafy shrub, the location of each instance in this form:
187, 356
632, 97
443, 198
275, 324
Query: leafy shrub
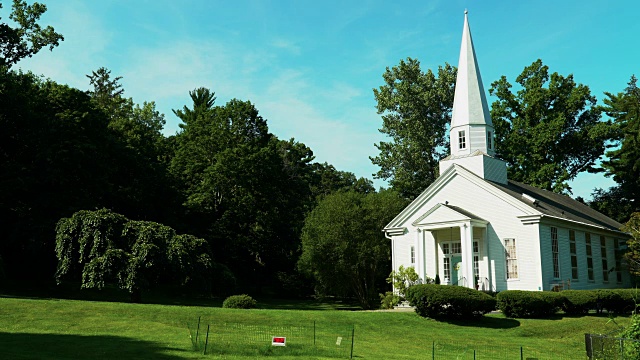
632, 350
579, 301
535, 304
618, 301
243, 301
389, 300
401, 281
610, 300
445, 301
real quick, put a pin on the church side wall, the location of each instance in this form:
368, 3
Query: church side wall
582, 282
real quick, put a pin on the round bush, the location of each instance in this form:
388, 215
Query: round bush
445, 301
534, 304
579, 302
630, 300
243, 301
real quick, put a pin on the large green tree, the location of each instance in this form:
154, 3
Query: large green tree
632, 227
25, 37
623, 162
549, 130
416, 109
244, 190
141, 186
55, 158
102, 247
343, 247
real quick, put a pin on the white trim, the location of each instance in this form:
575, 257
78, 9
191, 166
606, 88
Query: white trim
442, 180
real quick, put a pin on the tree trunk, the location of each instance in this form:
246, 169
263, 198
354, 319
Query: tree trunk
136, 295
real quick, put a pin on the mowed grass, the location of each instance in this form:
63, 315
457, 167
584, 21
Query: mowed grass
73, 329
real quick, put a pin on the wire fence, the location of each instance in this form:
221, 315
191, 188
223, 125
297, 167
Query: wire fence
468, 351
604, 347
311, 339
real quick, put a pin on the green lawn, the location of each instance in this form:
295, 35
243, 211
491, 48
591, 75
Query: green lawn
73, 329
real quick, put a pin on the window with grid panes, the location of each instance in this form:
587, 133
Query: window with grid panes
605, 264
554, 253
462, 140
618, 255
587, 241
574, 255
511, 258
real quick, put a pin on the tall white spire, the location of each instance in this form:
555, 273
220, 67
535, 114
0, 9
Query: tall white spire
471, 134
471, 125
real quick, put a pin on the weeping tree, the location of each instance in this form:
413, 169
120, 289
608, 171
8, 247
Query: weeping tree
102, 247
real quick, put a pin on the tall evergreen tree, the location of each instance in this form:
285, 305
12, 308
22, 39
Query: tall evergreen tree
624, 162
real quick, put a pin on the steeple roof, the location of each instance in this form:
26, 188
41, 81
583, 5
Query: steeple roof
470, 102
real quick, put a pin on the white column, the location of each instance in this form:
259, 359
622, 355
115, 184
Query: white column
417, 253
487, 263
466, 242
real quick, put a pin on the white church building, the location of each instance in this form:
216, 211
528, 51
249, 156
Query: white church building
473, 227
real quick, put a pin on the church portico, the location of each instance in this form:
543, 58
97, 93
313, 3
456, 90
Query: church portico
459, 244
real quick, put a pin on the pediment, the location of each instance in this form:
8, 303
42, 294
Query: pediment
443, 213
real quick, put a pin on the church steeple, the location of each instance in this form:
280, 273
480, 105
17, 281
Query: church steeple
471, 133
471, 125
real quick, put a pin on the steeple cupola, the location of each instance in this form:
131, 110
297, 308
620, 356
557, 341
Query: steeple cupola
471, 125
471, 134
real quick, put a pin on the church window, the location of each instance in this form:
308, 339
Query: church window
489, 140
554, 253
413, 254
447, 268
462, 139
605, 264
512, 260
619, 250
574, 255
587, 240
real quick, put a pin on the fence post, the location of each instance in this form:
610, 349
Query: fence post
206, 342
433, 350
314, 333
197, 331
521, 354
588, 345
622, 349
353, 332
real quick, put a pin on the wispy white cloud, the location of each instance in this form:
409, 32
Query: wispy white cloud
85, 41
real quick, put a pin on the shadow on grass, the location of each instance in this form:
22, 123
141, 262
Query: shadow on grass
306, 304
72, 291
56, 346
163, 296
490, 322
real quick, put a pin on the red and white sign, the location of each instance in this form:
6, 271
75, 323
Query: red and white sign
278, 341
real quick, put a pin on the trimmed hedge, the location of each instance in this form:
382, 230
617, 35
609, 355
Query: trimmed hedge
534, 304
618, 301
579, 301
243, 301
445, 301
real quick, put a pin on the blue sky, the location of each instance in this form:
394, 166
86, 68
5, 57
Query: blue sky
310, 67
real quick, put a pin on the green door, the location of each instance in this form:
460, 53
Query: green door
456, 261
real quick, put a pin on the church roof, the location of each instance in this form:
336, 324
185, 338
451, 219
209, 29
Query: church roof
532, 202
470, 103
557, 205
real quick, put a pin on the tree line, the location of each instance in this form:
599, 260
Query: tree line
92, 192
